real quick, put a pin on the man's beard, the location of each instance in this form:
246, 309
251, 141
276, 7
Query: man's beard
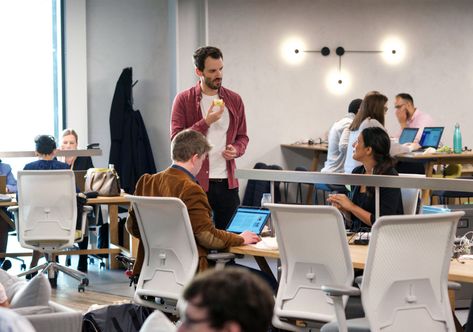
211, 84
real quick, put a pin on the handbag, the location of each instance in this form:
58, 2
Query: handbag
105, 181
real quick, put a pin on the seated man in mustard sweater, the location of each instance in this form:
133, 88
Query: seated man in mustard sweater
189, 150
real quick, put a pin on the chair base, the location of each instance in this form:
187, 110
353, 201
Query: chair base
53, 268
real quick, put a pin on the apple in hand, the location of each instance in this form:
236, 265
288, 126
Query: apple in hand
218, 102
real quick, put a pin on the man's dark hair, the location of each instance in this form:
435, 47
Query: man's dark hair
233, 294
187, 144
202, 53
45, 144
354, 106
406, 97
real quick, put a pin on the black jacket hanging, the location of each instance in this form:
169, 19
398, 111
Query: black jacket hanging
130, 150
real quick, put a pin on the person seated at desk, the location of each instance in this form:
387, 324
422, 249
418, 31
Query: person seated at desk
5, 170
70, 141
189, 150
45, 151
371, 114
337, 148
409, 116
372, 150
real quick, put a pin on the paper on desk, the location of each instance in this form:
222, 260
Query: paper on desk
267, 242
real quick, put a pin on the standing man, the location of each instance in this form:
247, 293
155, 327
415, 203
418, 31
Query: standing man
409, 116
219, 114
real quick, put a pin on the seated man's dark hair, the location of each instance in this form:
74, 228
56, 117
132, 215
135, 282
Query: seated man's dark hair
406, 96
45, 144
202, 53
187, 144
233, 295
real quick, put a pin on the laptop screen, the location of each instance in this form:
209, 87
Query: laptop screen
408, 135
248, 219
431, 137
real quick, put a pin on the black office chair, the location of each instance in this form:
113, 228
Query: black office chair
444, 196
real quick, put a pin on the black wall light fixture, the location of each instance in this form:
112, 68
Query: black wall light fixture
325, 51
340, 51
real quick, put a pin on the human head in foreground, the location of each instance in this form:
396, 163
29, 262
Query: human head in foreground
232, 299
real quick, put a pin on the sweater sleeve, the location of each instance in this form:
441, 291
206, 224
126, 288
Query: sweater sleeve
205, 232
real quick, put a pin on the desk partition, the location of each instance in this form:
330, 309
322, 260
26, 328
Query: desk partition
376, 181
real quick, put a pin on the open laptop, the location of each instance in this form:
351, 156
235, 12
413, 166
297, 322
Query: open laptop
247, 218
430, 138
408, 135
3, 184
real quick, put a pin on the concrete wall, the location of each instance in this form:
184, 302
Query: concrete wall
284, 103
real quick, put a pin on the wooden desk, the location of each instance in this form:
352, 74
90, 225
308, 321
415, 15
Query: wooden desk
318, 149
113, 202
458, 272
437, 158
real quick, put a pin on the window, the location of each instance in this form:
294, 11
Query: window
31, 84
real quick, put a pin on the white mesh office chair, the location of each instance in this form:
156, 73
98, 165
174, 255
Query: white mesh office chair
314, 251
405, 282
46, 218
410, 196
171, 256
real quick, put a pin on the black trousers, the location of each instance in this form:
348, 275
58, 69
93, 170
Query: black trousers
223, 201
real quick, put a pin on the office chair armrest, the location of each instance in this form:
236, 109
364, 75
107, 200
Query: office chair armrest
339, 290
220, 258
452, 285
336, 293
359, 280
12, 209
85, 210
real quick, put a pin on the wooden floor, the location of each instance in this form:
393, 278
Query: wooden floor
71, 298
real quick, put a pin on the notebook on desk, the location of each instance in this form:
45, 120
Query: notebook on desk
3, 184
430, 138
248, 219
408, 135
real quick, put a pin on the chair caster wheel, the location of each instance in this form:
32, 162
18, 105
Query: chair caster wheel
85, 282
81, 288
23, 267
102, 265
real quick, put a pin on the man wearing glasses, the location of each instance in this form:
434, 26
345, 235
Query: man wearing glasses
409, 116
232, 299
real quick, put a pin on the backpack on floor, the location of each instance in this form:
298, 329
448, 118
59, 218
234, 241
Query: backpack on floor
116, 318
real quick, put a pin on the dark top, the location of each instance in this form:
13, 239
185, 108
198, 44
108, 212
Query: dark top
82, 163
390, 200
40, 165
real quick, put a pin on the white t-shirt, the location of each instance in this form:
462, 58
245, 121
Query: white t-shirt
217, 136
351, 163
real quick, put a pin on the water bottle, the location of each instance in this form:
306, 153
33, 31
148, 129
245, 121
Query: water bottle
457, 139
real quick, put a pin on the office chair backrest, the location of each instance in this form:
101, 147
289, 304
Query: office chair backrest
47, 209
171, 256
404, 285
410, 196
314, 251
